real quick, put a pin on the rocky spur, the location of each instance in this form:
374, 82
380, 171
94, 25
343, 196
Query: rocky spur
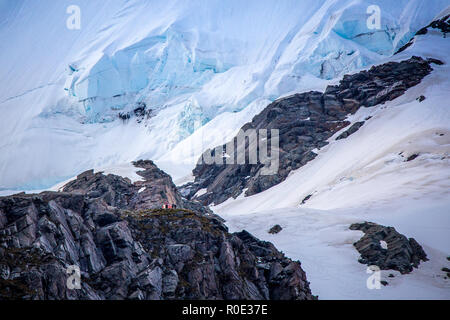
126, 246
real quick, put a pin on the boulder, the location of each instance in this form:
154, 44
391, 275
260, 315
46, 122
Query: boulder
402, 254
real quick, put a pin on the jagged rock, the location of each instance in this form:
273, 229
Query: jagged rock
435, 61
355, 127
306, 198
442, 24
275, 229
401, 254
305, 122
420, 98
412, 157
282, 281
126, 247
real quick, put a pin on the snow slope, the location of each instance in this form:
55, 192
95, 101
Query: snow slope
196, 64
366, 177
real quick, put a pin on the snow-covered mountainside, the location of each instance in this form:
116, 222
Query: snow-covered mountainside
167, 79
394, 171
305, 122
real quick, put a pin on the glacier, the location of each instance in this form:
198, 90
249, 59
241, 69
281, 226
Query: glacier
203, 68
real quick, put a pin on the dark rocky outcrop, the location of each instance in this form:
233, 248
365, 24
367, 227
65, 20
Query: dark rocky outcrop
443, 25
275, 229
401, 254
447, 271
306, 198
155, 189
421, 98
140, 113
126, 247
354, 127
412, 157
305, 122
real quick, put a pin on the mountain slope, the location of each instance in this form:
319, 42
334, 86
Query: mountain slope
170, 79
305, 122
126, 247
188, 63
392, 171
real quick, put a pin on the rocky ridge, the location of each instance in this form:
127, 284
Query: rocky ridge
442, 25
305, 122
126, 247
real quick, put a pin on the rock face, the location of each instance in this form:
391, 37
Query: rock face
305, 122
153, 191
401, 254
126, 247
156, 188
